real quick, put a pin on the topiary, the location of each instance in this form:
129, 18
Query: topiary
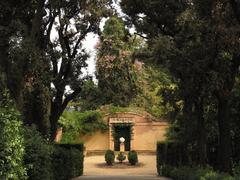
133, 157
109, 157
121, 157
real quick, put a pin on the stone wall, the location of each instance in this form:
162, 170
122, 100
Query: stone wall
146, 133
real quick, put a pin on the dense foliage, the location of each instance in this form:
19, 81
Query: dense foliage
38, 155
154, 81
12, 147
67, 161
109, 157
121, 157
192, 173
115, 70
198, 42
132, 157
77, 123
42, 54
190, 75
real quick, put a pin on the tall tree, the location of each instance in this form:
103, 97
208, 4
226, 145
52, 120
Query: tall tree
223, 18
197, 53
116, 73
47, 56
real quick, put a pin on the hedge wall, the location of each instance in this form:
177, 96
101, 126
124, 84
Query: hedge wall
67, 161
44, 160
173, 162
38, 155
194, 173
171, 153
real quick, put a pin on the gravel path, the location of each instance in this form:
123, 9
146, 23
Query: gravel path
94, 168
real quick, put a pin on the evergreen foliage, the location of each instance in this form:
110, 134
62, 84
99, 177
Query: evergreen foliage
115, 70
75, 123
109, 157
12, 147
132, 157
67, 161
191, 173
121, 157
38, 155
198, 43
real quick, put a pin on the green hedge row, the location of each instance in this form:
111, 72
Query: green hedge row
25, 154
44, 160
170, 153
67, 161
193, 173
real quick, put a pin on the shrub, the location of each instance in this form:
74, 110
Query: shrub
236, 171
75, 123
133, 157
38, 155
11, 144
171, 153
121, 157
193, 173
67, 161
109, 157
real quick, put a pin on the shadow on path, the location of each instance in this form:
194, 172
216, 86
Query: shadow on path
145, 171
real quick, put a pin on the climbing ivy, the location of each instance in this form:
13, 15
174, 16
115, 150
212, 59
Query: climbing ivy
77, 123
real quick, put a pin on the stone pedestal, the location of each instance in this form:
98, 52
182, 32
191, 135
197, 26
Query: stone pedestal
122, 147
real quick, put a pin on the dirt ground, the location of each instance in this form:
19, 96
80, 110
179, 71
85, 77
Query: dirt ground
95, 165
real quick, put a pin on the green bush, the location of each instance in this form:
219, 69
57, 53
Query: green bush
75, 123
171, 153
121, 157
38, 155
133, 157
109, 157
193, 173
67, 161
236, 171
11, 144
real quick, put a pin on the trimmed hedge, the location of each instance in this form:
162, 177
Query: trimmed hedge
49, 162
68, 161
133, 157
193, 173
109, 157
38, 155
171, 153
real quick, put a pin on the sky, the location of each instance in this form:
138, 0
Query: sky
90, 41
89, 44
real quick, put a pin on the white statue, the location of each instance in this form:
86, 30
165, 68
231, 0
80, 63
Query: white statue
121, 139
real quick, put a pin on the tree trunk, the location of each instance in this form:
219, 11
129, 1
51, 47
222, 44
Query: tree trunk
56, 111
202, 146
225, 148
53, 121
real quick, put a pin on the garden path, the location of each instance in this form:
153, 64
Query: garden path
95, 168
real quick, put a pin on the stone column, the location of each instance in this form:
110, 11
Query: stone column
132, 141
122, 147
111, 140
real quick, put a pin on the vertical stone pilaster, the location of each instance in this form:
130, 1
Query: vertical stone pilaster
111, 140
132, 143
